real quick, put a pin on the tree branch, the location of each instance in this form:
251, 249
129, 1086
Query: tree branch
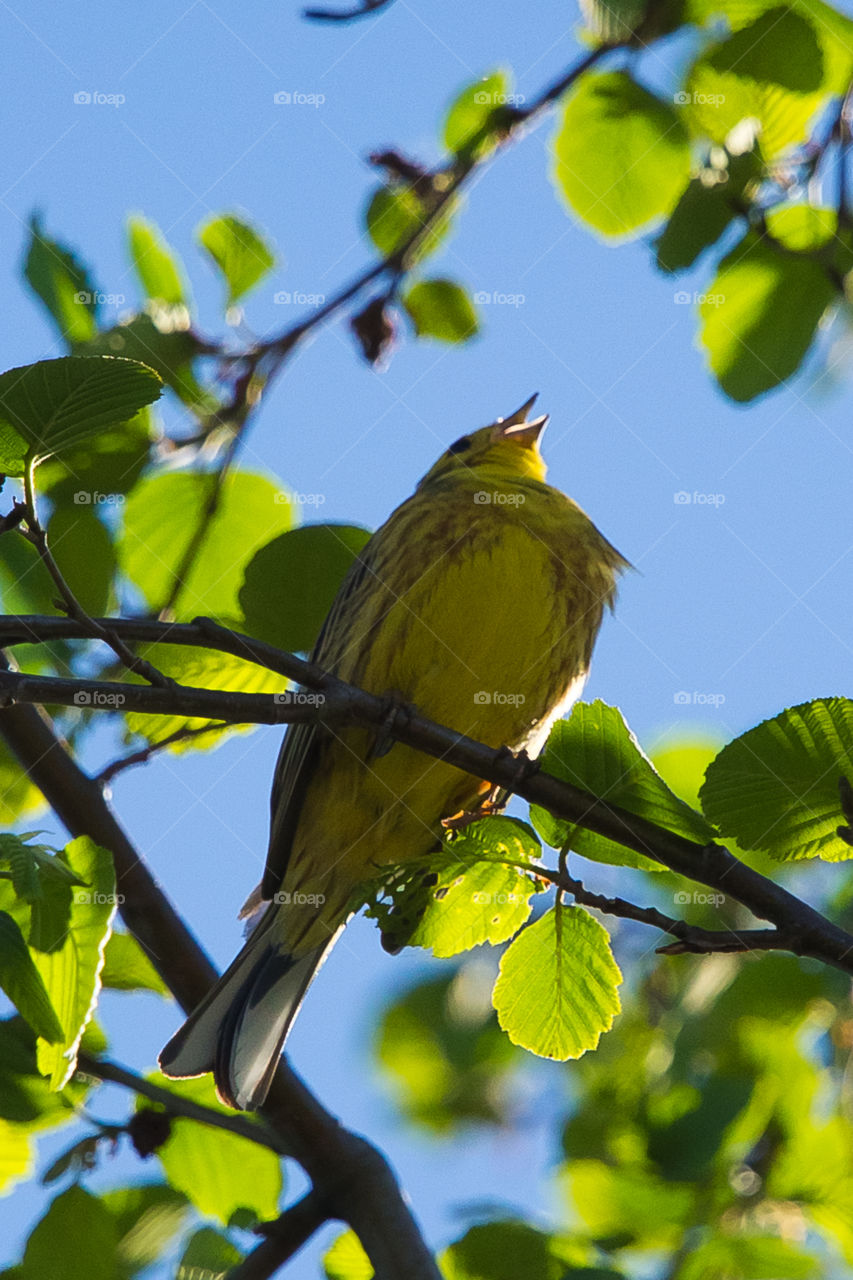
353, 1176
808, 932
285, 1237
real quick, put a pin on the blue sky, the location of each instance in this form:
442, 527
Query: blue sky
741, 595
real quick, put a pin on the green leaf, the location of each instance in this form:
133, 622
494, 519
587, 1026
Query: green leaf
629, 1205
75, 1240
209, 1255
147, 1216
219, 1172
475, 901
346, 1260
803, 228
60, 280
760, 316
57, 405
706, 209
396, 213
748, 1257
201, 669
505, 1250
127, 967
611, 21
239, 250
161, 517
621, 156
70, 962
21, 981
165, 343
157, 265
100, 472
441, 309
25, 1096
290, 582
557, 987
83, 549
776, 786
771, 71
472, 113
595, 750
13, 451
16, 1155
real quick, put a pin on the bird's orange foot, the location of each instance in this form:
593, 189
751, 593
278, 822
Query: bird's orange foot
489, 807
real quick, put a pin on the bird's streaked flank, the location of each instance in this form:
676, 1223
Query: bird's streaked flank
478, 601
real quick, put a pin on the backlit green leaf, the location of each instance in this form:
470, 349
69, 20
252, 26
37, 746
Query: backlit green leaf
160, 272
441, 309
240, 251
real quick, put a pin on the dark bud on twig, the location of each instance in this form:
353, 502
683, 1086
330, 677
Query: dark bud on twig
374, 327
148, 1130
15, 516
397, 166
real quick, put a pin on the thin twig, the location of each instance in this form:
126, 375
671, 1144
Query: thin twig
346, 15
144, 754
284, 1238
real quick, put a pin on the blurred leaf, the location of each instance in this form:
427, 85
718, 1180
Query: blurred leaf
60, 280
75, 1240
22, 982
708, 205
83, 549
346, 1260
239, 250
441, 309
70, 964
396, 213
505, 1250
595, 750
57, 405
557, 989
209, 1255
760, 315
161, 518
147, 1216
627, 1205
19, 798
470, 113
101, 471
219, 1172
621, 156
291, 582
611, 21
745, 1257
16, 1156
445, 1054
681, 760
25, 1096
776, 786
159, 269
127, 967
201, 669
771, 71
164, 342
684, 1148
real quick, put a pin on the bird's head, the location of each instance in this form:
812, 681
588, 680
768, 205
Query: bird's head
508, 449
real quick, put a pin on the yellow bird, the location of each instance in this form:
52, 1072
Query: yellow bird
478, 601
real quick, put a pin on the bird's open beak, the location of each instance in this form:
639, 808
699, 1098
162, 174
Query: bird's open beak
517, 428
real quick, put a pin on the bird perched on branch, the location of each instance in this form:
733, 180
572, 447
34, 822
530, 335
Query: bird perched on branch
478, 602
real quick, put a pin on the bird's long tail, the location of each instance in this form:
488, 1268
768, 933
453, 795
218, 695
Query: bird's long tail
239, 1029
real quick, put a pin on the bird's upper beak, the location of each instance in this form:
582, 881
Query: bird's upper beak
517, 428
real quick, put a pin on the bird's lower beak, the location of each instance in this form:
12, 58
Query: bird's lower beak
517, 428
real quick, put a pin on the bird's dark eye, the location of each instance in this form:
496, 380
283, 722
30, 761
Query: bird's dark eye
460, 445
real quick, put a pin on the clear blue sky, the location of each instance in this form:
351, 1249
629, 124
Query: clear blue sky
746, 598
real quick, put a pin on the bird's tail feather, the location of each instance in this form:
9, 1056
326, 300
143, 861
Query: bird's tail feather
238, 1030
